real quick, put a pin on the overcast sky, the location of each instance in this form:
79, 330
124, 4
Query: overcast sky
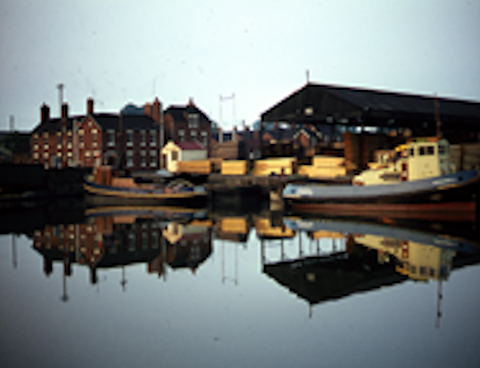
131, 51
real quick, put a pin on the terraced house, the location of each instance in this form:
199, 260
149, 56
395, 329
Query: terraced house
94, 139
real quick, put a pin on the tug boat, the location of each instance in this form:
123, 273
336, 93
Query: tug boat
417, 179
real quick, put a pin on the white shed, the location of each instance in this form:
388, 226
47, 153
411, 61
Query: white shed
183, 151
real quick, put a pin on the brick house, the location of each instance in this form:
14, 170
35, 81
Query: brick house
128, 141
187, 124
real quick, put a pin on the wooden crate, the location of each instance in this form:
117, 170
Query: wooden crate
264, 228
234, 167
322, 172
203, 167
322, 234
123, 183
328, 161
235, 225
275, 166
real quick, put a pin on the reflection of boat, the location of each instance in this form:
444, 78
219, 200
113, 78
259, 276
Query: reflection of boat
387, 231
105, 189
420, 182
158, 212
374, 255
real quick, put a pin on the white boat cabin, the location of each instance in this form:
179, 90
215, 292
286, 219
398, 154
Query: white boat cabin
417, 159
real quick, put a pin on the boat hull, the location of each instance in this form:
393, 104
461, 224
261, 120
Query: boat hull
97, 194
448, 197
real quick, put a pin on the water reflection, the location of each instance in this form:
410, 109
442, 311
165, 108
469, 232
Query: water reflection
250, 276
316, 259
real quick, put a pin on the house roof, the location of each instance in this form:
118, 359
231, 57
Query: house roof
317, 103
180, 113
190, 146
105, 120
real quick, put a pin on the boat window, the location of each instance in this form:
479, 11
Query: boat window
412, 152
430, 150
442, 150
421, 151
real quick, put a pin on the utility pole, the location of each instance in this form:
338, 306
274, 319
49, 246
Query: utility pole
12, 123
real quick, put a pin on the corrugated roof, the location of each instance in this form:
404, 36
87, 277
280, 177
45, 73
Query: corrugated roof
328, 100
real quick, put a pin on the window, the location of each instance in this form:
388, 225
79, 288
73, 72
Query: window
143, 137
153, 137
412, 152
153, 158
442, 150
204, 139
131, 241
193, 120
110, 138
174, 156
430, 150
129, 159
181, 135
94, 137
143, 159
129, 137
193, 135
421, 151
59, 140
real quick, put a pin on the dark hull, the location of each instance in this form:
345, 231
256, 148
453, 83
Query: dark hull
454, 202
106, 195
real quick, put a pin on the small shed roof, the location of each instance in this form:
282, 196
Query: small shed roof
190, 146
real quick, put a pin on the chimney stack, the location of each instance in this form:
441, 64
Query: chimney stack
44, 113
64, 111
156, 110
234, 133
90, 106
147, 109
190, 102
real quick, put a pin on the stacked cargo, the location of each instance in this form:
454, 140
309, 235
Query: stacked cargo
324, 167
234, 167
275, 166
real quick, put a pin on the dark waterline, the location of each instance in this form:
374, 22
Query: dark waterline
237, 289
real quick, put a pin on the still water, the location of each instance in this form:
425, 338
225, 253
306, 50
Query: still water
140, 287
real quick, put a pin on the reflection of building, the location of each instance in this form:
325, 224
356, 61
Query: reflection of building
418, 261
103, 243
121, 240
192, 244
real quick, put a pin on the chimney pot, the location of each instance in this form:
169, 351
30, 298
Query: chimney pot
64, 111
45, 113
90, 106
156, 110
